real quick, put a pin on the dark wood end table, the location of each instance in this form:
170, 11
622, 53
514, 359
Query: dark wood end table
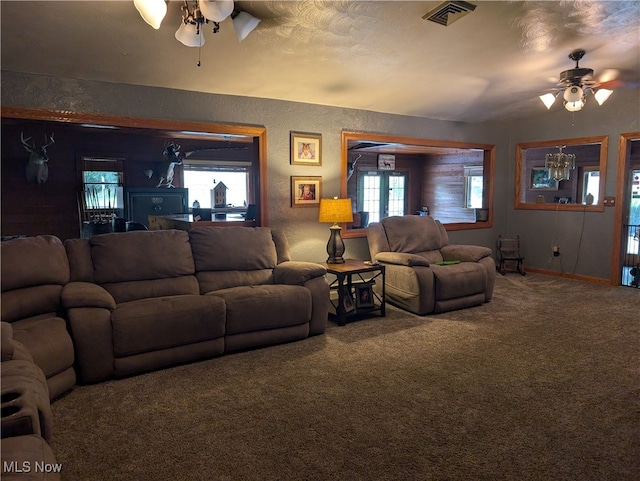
353, 282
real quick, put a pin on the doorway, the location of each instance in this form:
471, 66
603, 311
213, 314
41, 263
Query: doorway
631, 230
626, 260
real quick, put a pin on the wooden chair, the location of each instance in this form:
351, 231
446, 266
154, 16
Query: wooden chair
509, 253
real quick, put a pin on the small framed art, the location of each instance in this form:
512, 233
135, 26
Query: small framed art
306, 149
306, 191
540, 179
364, 295
386, 162
347, 301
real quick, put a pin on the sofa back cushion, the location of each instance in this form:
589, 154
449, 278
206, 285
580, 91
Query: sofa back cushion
141, 255
235, 256
233, 248
34, 270
141, 264
414, 234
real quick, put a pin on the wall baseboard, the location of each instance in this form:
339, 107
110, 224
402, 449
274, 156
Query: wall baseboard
579, 277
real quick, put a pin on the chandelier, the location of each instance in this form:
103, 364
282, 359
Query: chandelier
197, 14
560, 164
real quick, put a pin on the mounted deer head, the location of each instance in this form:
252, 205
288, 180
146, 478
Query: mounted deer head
37, 169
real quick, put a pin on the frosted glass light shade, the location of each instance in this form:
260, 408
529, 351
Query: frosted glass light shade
244, 23
151, 11
573, 93
216, 10
548, 100
574, 106
188, 35
602, 95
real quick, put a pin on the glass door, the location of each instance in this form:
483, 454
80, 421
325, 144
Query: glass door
631, 232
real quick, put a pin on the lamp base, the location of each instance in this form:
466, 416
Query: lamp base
335, 246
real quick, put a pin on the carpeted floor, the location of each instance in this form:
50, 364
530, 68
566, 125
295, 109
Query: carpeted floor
543, 383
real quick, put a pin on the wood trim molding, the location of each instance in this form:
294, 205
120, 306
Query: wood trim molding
489, 157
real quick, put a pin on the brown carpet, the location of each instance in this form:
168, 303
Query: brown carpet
542, 383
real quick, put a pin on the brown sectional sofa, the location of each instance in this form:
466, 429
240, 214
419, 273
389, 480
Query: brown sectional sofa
148, 299
35, 270
123, 303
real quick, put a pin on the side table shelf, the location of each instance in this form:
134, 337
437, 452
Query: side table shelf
354, 285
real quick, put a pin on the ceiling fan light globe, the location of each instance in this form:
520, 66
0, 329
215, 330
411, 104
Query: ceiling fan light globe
574, 106
548, 100
188, 35
243, 24
573, 93
151, 11
216, 10
601, 95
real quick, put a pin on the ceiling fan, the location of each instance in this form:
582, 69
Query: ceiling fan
574, 84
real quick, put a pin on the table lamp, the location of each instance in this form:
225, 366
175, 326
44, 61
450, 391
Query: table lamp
335, 211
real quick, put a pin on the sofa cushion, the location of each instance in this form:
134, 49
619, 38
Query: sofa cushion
30, 449
33, 261
459, 280
47, 340
141, 255
134, 290
233, 248
30, 301
215, 280
255, 308
160, 323
413, 233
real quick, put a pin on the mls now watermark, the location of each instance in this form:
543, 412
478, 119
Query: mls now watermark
29, 467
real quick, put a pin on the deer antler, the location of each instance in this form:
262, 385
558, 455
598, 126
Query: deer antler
29, 147
49, 141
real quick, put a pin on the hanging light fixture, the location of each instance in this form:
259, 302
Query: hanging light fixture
201, 12
151, 11
574, 84
560, 164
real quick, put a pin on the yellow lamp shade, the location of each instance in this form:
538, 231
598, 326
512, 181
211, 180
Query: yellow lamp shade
335, 211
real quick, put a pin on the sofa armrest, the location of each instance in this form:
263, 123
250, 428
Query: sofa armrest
86, 294
7, 341
401, 259
297, 272
464, 253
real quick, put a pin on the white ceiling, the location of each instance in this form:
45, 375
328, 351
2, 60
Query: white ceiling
372, 55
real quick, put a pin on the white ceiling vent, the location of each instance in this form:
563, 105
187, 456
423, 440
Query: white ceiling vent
448, 12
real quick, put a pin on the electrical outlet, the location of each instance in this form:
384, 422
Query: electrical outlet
556, 251
609, 201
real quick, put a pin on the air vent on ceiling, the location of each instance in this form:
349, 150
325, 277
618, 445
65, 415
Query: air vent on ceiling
448, 12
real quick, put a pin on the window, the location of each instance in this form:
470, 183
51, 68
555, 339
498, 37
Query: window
474, 185
201, 177
383, 194
591, 186
102, 180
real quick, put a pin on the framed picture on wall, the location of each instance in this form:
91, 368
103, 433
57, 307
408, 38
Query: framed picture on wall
540, 179
306, 191
306, 149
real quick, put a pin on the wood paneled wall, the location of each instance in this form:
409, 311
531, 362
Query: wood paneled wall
52, 207
443, 185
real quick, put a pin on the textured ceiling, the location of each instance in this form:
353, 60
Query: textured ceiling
372, 55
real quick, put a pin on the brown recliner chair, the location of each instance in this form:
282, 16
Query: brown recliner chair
34, 272
424, 273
